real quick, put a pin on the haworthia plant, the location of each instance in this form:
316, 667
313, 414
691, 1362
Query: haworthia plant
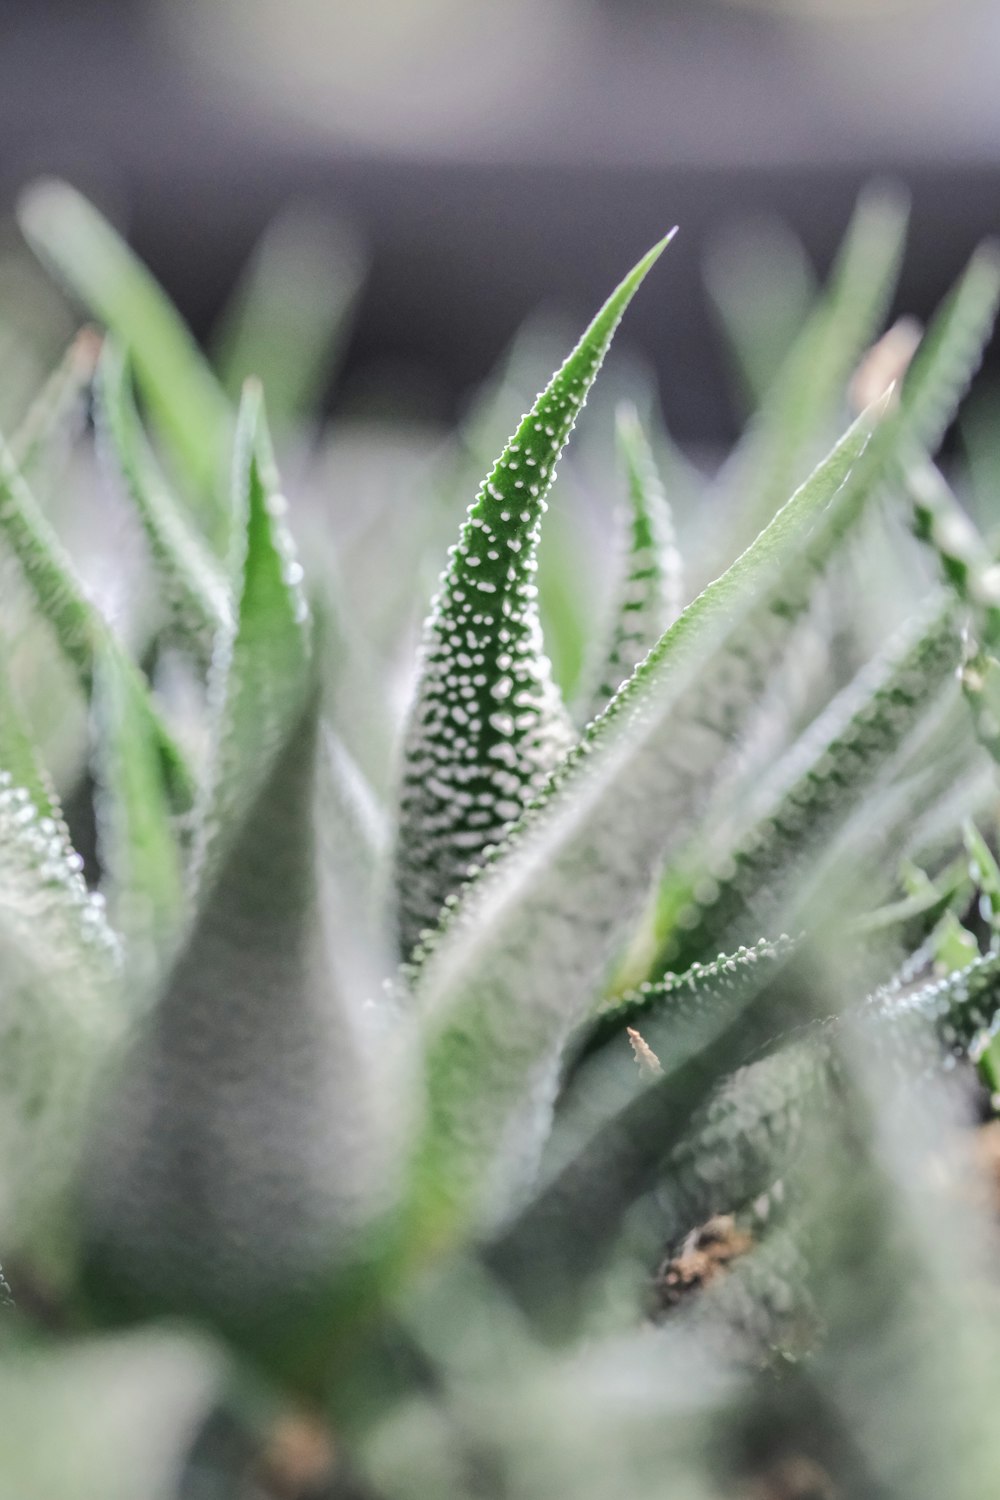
410, 1193
492, 1080
487, 725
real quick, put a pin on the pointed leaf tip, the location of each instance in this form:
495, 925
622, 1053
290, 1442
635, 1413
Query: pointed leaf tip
488, 723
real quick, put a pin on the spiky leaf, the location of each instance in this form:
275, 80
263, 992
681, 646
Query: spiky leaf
194, 585
137, 844
62, 1013
808, 395
93, 260
812, 791
501, 995
649, 597
240, 1159
487, 723
78, 625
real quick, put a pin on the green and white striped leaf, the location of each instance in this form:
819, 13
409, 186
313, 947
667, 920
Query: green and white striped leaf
650, 595
189, 407
487, 724
194, 585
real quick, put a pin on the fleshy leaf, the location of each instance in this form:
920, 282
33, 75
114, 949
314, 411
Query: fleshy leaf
263, 673
62, 1014
78, 625
812, 790
95, 263
18, 753
240, 1160
287, 318
649, 598
128, 1408
60, 397
193, 582
677, 1017
808, 395
487, 724
139, 854
500, 997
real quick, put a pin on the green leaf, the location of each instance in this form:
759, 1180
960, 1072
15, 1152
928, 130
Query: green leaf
59, 399
137, 846
808, 395
985, 873
193, 583
698, 1001
62, 1014
246, 1151
128, 1408
763, 288
289, 316
263, 674
649, 597
79, 627
812, 790
184, 396
521, 960
950, 353
677, 1016
18, 753
487, 724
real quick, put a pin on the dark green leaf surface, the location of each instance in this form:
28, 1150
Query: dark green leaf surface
487, 724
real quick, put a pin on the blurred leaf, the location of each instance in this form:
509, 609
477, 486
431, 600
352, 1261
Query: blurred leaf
78, 625
243, 1157
126, 1409
18, 753
288, 319
193, 582
62, 396
62, 1013
138, 849
187, 402
763, 289
649, 596
812, 790
808, 395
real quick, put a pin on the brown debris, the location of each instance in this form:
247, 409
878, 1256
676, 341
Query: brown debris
299, 1459
884, 364
792, 1478
704, 1256
649, 1063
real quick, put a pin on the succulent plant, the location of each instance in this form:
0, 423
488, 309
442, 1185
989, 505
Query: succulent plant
344, 1128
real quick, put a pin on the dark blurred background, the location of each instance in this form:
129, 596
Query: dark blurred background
501, 155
